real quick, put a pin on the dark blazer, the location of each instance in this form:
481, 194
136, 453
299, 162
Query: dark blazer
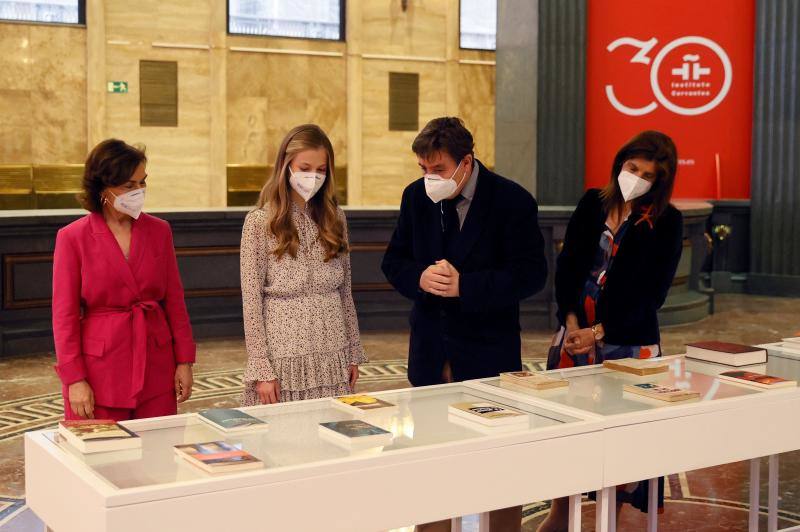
638, 280
499, 256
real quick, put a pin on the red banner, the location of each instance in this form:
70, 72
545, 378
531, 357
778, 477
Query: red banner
683, 67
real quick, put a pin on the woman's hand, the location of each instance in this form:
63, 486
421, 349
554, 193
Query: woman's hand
579, 342
81, 399
353, 376
570, 327
183, 382
269, 391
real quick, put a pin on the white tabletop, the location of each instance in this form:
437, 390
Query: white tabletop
599, 391
292, 439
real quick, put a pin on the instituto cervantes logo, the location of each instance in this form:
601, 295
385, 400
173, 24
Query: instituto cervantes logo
688, 76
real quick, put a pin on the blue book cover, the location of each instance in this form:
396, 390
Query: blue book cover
230, 419
354, 428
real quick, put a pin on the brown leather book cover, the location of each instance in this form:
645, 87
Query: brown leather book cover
725, 347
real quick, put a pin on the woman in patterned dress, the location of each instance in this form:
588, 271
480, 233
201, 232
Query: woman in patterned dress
621, 250
301, 329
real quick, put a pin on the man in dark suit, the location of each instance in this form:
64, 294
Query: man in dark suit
467, 248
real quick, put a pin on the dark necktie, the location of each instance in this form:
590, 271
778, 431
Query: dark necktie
450, 223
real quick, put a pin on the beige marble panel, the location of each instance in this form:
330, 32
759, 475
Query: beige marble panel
178, 156
58, 67
476, 94
248, 140
388, 164
268, 94
16, 126
283, 43
42, 94
421, 30
15, 108
61, 139
146, 21
15, 59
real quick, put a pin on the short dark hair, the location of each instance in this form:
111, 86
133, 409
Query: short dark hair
444, 134
110, 164
651, 146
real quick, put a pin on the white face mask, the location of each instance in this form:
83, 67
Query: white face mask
130, 203
632, 186
439, 188
306, 183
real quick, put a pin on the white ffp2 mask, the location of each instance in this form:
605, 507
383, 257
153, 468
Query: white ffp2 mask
130, 203
306, 183
632, 186
438, 188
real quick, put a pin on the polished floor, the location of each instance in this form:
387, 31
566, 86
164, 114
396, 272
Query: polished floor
704, 500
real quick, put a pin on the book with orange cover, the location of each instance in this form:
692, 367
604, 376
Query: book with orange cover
218, 457
758, 380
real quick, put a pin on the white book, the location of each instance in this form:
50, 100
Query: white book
354, 434
793, 339
488, 413
785, 347
533, 380
484, 429
713, 369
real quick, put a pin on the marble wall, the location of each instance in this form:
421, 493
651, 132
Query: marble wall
239, 95
42, 94
269, 93
422, 39
179, 160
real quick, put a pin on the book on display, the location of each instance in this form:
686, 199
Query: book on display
218, 457
758, 380
726, 353
784, 347
362, 404
485, 429
231, 420
712, 368
532, 380
488, 413
354, 434
660, 392
98, 435
637, 366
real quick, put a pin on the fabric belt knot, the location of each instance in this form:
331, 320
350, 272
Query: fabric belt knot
138, 312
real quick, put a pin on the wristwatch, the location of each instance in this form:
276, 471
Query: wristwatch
598, 335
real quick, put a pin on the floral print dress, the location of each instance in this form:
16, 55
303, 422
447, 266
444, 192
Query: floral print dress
299, 318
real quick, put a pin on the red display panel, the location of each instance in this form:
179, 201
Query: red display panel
683, 67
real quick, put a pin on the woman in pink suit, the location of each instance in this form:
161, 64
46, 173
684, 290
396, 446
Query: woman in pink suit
123, 340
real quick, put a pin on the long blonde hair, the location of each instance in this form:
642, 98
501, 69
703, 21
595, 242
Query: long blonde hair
322, 206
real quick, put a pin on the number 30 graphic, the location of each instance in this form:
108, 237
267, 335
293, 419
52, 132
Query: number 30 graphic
692, 68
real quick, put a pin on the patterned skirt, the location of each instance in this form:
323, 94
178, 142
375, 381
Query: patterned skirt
634, 493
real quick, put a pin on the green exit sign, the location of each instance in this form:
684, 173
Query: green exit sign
118, 86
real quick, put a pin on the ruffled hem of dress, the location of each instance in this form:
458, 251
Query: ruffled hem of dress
310, 370
250, 398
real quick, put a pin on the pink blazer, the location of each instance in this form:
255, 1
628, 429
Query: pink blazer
121, 325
